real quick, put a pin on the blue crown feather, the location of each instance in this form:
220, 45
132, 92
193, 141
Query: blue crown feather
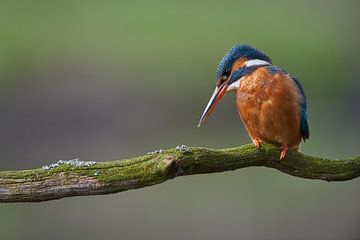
237, 52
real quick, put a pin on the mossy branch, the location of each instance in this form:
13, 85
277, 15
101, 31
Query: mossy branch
68, 180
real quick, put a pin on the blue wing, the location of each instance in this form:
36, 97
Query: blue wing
304, 126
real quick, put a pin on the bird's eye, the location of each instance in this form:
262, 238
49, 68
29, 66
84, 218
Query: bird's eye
226, 73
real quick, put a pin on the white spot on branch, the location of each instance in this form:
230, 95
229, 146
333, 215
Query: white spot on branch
156, 152
73, 162
183, 148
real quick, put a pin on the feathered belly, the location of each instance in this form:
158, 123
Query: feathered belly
269, 108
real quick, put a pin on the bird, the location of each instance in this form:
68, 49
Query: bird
271, 102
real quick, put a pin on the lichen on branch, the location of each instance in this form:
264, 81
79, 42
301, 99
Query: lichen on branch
77, 178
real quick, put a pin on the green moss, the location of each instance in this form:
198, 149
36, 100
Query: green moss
154, 168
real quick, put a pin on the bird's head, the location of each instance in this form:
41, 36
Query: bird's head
239, 61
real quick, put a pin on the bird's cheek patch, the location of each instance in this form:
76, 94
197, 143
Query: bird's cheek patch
240, 63
256, 62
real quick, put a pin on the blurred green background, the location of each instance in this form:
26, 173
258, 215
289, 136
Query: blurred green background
105, 80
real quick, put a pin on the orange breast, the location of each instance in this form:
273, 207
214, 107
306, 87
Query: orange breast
268, 105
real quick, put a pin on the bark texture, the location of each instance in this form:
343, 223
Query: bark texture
67, 180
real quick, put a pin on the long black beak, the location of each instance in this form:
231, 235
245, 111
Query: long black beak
219, 92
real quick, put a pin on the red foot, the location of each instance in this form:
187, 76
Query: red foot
257, 143
283, 151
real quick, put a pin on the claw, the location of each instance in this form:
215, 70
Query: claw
284, 148
257, 143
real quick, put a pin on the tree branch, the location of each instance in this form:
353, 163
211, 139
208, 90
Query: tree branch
67, 179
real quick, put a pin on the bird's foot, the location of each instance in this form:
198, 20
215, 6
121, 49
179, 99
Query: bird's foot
257, 143
284, 149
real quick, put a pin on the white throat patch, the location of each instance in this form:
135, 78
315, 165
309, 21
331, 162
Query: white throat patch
234, 86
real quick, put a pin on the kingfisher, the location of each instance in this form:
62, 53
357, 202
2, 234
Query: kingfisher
271, 102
